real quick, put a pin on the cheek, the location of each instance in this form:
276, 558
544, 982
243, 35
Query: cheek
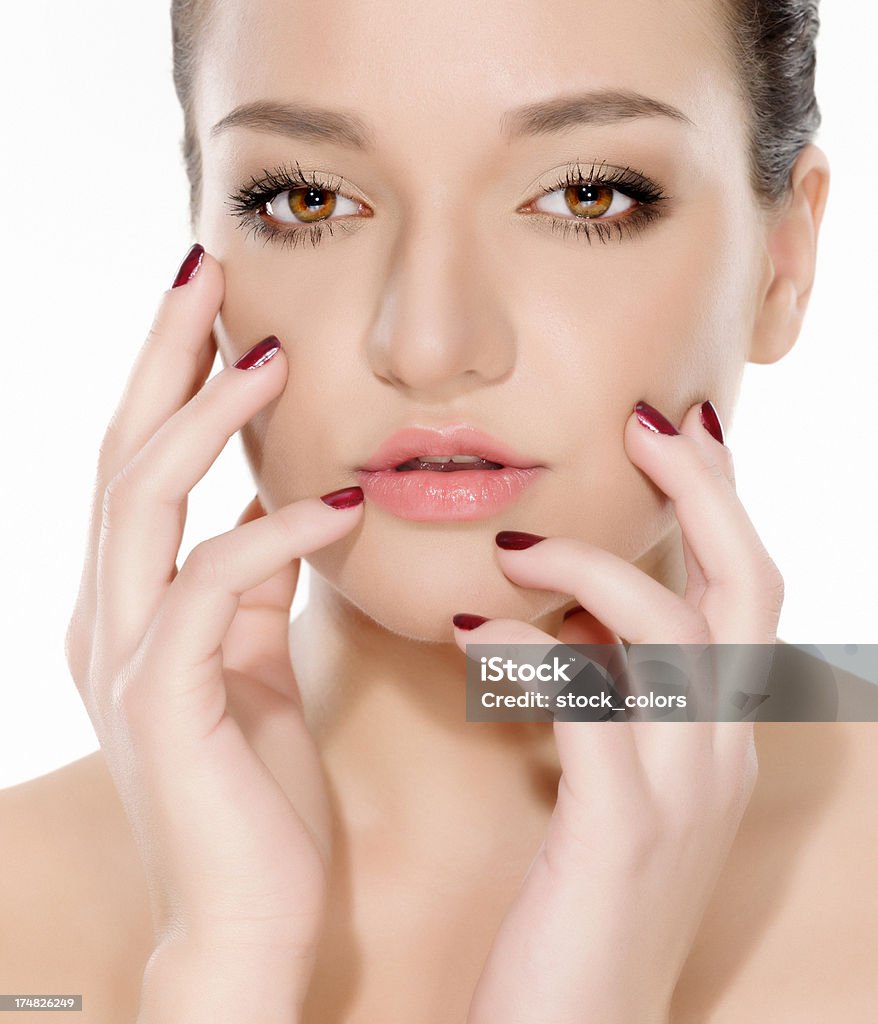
662, 318
695, 325
300, 444
667, 320
304, 444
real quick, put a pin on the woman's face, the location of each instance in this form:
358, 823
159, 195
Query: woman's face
440, 300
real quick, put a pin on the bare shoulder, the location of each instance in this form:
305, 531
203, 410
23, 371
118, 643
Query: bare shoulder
791, 933
74, 914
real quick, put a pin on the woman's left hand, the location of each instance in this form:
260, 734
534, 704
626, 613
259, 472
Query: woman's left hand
646, 811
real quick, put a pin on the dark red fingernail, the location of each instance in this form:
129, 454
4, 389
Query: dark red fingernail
189, 266
711, 422
463, 620
653, 419
512, 540
346, 497
259, 354
572, 611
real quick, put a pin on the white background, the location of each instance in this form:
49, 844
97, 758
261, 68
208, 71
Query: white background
94, 225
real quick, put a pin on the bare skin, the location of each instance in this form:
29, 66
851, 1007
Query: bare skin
786, 936
421, 314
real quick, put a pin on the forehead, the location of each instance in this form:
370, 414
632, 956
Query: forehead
430, 72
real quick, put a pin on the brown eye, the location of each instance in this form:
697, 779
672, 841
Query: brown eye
584, 201
308, 205
588, 200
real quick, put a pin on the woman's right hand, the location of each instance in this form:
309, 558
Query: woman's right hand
186, 673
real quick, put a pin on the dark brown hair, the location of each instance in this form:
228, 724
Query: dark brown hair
773, 48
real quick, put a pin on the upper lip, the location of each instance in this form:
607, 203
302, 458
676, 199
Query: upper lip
455, 439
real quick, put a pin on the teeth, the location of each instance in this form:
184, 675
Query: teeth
445, 462
448, 458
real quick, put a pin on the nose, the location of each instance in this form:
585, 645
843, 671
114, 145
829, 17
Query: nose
441, 328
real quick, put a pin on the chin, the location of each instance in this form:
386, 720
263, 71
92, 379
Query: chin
418, 603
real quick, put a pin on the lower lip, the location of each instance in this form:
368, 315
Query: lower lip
426, 495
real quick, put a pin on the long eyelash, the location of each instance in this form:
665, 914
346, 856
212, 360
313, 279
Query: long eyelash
259, 191
632, 183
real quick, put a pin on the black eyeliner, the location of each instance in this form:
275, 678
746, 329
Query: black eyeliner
254, 196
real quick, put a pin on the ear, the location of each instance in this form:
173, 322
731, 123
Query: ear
791, 249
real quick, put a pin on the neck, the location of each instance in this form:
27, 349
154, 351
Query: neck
389, 716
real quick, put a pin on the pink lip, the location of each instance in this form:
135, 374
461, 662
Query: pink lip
457, 439
427, 495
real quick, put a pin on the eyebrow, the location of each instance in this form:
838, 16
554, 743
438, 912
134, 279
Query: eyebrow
299, 121
596, 107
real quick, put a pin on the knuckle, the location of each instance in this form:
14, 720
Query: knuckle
159, 329
157, 332
761, 575
710, 468
735, 744
117, 445
744, 765
749, 770
702, 460
726, 464
109, 505
75, 650
107, 454
777, 593
770, 582
204, 566
119, 491
690, 627
730, 465
124, 698
775, 580
199, 405
736, 779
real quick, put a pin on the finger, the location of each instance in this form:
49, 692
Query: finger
590, 753
179, 691
604, 648
257, 642
622, 597
581, 627
172, 365
732, 740
143, 514
625, 600
711, 435
703, 424
740, 598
